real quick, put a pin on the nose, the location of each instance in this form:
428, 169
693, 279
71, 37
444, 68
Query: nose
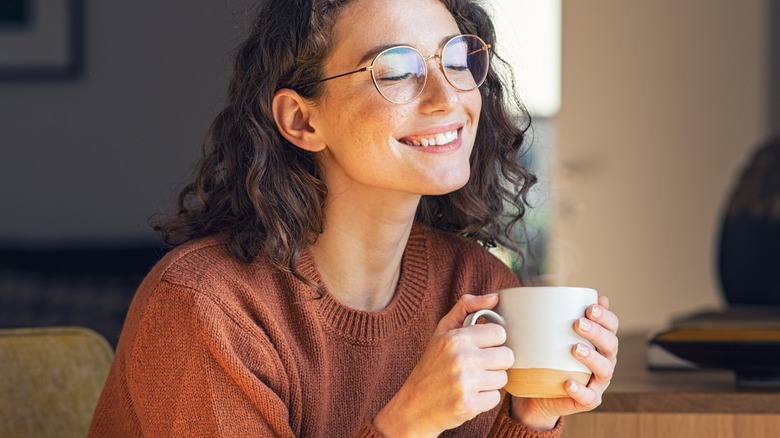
438, 94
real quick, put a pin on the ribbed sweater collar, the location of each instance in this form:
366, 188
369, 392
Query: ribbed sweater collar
371, 327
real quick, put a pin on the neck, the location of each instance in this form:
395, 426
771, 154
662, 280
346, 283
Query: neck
358, 256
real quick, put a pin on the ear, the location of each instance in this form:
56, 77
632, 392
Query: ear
293, 119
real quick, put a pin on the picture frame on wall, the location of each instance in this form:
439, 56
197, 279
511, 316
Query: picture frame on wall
40, 39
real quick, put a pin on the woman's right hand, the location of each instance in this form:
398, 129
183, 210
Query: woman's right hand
458, 377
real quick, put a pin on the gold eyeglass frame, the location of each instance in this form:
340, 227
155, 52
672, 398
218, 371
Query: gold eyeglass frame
370, 68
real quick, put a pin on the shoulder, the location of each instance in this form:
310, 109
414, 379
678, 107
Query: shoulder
204, 271
207, 264
200, 261
200, 286
195, 307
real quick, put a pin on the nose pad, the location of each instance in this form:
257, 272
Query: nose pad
437, 87
438, 68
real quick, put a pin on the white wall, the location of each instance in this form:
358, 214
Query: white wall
93, 158
662, 103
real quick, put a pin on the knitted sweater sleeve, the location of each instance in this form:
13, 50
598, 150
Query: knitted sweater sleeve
506, 427
194, 370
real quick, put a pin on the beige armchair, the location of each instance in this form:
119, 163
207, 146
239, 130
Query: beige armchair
50, 380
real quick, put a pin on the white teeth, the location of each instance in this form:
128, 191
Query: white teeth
438, 139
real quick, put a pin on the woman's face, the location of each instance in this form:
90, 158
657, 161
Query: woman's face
370, 142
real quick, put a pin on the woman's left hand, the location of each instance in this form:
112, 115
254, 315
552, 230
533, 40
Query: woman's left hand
599, 327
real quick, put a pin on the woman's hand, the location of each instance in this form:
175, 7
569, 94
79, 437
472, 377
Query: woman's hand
458, 377
600, 328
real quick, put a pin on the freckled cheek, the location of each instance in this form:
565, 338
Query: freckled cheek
365, 116
378, 124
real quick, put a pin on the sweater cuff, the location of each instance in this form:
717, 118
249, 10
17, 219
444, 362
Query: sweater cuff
507, 427
368, 431
504, 427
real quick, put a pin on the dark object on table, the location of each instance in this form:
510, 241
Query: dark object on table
749, 253
743, 339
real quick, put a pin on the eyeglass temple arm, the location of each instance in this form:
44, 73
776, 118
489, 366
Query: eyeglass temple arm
481, 49
367, 68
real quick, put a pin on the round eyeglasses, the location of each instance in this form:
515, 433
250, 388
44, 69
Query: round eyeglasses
400, 72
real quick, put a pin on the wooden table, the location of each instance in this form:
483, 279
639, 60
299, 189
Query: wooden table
670, 404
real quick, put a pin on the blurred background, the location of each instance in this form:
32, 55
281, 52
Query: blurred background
661, 105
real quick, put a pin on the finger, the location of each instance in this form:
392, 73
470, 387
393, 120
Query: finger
465, 305
483, 335
493, 359
603, 316
585, 398
601, 366
605, 341
490, 380
486, 400
603, 301
472, 403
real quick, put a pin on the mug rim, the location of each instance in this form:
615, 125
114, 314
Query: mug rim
576, 288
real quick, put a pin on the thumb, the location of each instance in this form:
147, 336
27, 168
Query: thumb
466, 304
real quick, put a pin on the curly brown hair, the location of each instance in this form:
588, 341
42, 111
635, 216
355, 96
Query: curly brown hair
267, 197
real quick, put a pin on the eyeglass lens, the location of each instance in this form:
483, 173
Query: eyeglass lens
400, 72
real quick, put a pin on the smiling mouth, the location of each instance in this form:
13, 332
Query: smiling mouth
438, 139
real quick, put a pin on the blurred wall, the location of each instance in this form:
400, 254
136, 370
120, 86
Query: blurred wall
662, 104
92, 158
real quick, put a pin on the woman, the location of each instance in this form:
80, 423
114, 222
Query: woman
331, 250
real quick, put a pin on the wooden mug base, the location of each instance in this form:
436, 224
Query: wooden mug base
542, 382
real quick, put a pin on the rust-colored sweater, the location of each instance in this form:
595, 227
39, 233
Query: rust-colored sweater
213, 347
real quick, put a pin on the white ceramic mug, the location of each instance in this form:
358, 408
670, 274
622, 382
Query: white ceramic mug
539, 323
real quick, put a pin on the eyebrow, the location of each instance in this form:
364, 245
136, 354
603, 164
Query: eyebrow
371, 53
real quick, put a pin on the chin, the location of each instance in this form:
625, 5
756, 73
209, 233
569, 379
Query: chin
445, 188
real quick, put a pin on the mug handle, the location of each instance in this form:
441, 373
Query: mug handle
490, 315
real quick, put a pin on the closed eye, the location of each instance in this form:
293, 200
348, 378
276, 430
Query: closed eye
396, 78
458, 67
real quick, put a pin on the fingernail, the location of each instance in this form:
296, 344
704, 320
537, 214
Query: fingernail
596, 312
582, 350
574, 387
585, 325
